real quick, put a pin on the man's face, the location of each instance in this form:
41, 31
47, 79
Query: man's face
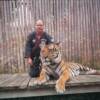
39, 27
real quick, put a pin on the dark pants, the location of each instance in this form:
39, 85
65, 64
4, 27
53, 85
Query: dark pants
35, 69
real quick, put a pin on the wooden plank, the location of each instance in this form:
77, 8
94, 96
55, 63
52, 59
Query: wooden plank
31, 82
15, 82
4, 77
77, 81
85, 79
48, 92
21, 85
7, 79
25, 83
5, 83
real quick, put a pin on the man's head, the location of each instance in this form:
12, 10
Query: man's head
39, 26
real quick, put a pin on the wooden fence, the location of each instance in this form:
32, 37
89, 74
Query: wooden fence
76, 23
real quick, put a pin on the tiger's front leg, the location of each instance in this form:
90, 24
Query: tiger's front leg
42, 78
60, 83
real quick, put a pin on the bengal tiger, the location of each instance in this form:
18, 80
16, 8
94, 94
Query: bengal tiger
53, 64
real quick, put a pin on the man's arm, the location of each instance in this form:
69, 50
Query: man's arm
28, 48
49, 39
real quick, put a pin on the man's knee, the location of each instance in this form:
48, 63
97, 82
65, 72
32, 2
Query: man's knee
34, 72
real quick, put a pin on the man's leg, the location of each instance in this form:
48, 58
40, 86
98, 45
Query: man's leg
35, 69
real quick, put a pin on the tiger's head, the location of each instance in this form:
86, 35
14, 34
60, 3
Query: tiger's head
51, 51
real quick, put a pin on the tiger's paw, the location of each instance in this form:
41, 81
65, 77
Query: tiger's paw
35, 82
60, 87
40, 81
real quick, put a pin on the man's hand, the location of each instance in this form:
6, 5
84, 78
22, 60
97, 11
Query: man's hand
30, 61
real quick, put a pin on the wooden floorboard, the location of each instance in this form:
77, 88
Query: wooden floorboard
10, 79
4, 77
23, 80
23, 84
15, 81
85, 79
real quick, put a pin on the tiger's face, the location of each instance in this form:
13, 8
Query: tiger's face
51, 51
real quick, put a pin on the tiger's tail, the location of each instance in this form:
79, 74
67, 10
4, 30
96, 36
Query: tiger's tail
89, 71
93, 72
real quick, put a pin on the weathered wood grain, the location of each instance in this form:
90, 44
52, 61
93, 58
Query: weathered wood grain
76, 23
23, 81
21, 85
4, 77
8, 80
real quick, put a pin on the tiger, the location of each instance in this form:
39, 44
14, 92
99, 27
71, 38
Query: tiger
54, 65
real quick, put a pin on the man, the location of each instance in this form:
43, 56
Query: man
32, 49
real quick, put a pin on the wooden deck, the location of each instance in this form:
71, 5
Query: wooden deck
21, 85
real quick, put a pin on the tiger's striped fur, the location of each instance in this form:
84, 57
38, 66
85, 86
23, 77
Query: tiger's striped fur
53, 64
